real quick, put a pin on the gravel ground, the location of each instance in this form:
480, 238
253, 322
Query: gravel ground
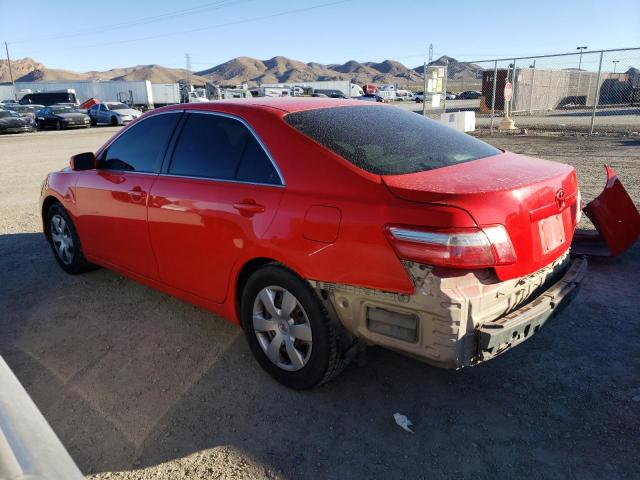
139, 385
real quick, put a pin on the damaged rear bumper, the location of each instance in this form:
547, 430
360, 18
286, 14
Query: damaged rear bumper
454, 319
499, 335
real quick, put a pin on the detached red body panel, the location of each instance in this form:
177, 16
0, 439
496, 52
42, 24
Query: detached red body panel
615, 217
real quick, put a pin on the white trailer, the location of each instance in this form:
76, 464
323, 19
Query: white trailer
165, 93
273, 90
388, 91
345, 86
135, 92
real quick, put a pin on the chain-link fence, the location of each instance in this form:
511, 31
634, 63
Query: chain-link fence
596, 91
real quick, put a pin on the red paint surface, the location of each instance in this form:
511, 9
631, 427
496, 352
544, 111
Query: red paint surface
614, 215
191, 237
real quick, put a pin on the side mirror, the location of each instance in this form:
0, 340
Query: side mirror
83, 161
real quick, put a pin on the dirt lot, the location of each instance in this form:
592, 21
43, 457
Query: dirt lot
140, 385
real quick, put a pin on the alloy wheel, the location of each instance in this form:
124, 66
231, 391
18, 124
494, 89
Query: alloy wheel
282, 328
62, 239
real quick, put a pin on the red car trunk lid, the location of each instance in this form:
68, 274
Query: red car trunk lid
536, 200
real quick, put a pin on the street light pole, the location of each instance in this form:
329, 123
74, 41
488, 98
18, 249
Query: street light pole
615, 64
580, 61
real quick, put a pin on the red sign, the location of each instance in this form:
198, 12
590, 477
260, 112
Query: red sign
508, 92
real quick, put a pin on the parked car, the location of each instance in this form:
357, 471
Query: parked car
451, 96
404, 95
370, 97
60, 117
11, 122
469, 95
26, 110
418, 97
74, 106
331, 93
320, 225
112, 113
50, 98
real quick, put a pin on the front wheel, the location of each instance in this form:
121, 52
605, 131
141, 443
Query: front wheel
288, 329
114, 121
65, 242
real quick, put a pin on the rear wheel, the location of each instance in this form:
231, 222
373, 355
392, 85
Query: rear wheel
65, 242
288, 329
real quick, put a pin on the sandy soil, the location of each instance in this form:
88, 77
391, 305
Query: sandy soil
139, 385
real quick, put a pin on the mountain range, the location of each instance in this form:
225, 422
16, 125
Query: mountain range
246, 69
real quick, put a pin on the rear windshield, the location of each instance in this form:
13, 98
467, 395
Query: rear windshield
117, 106
387, 140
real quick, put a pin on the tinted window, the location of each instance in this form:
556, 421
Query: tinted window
387, 140
255, 165
140, 148
214, 146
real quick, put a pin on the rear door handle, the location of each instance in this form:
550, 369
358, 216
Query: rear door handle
248, 208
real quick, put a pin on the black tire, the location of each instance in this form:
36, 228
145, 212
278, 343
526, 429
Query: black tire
58, 125
39, 125
75, 263
325, 360
114, 121
93, 121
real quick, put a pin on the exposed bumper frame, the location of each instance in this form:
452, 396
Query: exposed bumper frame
513, 328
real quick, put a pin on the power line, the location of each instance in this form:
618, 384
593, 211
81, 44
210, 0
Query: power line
133, 23
210, 27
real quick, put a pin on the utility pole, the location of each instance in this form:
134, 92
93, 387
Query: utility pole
424, 90
430, 52
615, 64
6, 47
188, 59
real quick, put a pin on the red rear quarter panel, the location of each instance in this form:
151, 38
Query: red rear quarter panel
361, 254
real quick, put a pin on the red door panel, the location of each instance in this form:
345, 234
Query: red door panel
112, 219
199, 228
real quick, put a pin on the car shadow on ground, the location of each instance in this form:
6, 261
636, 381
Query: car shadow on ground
131, 378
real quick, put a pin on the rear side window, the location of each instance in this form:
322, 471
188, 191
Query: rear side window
140, 148
387, 140
218, 147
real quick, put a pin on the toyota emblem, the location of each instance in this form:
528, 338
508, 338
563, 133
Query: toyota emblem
560, 198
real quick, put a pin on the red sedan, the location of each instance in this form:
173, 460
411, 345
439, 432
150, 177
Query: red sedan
322, 225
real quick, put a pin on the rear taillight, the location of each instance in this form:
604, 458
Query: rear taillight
460, 248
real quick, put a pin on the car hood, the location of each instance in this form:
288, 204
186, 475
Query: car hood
14, 122
126, 111
71, 116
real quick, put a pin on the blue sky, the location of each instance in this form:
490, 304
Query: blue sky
98, 35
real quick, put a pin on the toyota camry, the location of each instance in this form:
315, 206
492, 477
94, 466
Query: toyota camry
321, 226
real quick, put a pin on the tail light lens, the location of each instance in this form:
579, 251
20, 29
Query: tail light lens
461, 248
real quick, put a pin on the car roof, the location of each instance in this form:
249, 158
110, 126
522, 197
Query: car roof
285, 104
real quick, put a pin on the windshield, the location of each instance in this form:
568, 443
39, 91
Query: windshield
7, 113
118, 106
62, 110
388, 140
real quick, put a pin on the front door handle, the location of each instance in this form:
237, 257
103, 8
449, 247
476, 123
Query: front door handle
137, 194
248, 207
